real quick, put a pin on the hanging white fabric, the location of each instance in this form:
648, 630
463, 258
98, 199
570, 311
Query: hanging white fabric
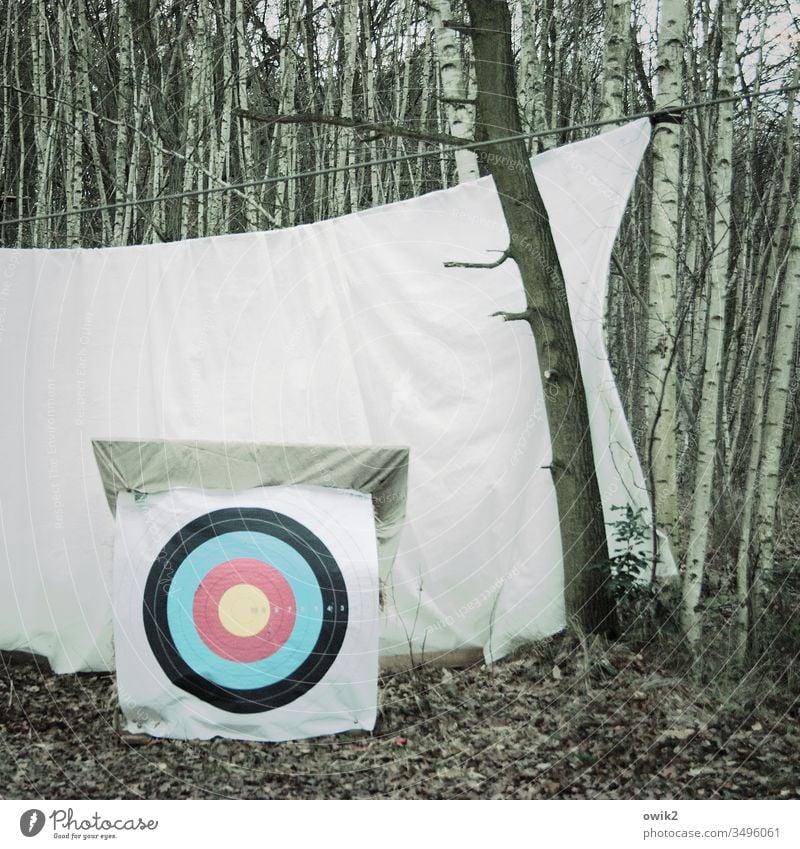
343, 332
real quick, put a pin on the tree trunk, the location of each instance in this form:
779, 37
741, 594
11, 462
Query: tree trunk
368, 76
779, 375
285, 138
43, 138
583, 533
124, 116
247, 170
531, 88
85, 87
755, 375
345, 180
73, 148
707, 426
662, 304
617, 31
460, 114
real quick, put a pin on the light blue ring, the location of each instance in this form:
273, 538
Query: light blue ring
308, 610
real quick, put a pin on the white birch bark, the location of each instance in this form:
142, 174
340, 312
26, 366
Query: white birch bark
323, 183
531, 88
663, 283
41, 134
708, 425
157, 218
193, 127
743, 575
615, 57
344, 188
423, 109
246, 159
286, 134
401, 176
220, 130
441, 122
368, 75
740, 342
124, 115
755, 376
550, 59
780, 372
23, 147
73, 154
460, 113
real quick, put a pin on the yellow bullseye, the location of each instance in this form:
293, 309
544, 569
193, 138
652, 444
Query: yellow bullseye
244, 610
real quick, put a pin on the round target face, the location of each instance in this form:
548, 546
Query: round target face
245, 609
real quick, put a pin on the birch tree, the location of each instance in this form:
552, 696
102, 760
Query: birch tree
780, 374
662, 397
345, 184
755, 374
531, 73
617, 32
708, 425
460, 111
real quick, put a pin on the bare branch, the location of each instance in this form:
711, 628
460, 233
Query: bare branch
356, 124
458, 26
644, 80
525, 315
457, 100
503, 257
631, 288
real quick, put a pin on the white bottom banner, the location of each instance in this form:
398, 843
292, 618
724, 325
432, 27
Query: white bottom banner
599, 824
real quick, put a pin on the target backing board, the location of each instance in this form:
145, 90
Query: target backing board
251, 614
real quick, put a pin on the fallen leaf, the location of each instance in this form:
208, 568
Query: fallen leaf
677, 734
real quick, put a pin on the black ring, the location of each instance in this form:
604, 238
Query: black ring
334, 608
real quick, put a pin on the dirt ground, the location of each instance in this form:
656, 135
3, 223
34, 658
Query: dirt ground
561, 720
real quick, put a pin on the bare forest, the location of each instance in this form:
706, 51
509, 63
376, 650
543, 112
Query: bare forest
130, 122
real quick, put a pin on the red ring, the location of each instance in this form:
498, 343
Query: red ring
205, 610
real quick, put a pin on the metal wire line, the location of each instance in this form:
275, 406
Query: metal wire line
391, 160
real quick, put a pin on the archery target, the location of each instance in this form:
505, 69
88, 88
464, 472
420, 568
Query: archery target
257, 607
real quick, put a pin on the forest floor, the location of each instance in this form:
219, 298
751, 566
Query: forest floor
565, 719
557, 722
